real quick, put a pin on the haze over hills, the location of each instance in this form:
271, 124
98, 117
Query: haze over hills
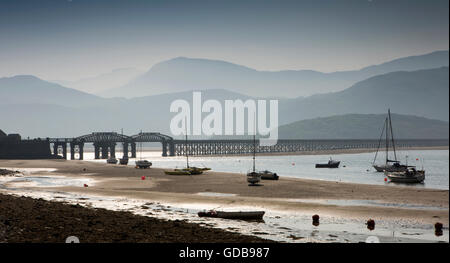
181, 74
365, 126
100, 83
37, 108
24, 89
422, 93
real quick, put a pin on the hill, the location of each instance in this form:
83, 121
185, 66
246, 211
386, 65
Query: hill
421, 93
365, 126
183, 74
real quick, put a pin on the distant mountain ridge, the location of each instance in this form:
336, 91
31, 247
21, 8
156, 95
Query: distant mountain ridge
102, 82
37, 108
364, 126
182, 74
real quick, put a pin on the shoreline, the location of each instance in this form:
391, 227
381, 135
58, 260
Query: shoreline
26, 219
291, 196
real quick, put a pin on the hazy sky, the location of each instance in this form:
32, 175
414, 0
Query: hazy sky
71, 39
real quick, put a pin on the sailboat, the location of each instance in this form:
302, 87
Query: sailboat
142, 164
390, 165
188, 170
254, 177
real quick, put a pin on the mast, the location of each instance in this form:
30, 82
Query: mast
379, 143
387, 141
254, 143
392, 134
185, 147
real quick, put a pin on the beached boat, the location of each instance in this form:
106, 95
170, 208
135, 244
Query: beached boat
143, 164
331, 164
410, 176
241, 215
185, 171
111, 161
268, 175
390, 165
188, 170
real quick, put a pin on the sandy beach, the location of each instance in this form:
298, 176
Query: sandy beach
215, 189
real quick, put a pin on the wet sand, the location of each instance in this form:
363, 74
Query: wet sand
25, 219
286, 194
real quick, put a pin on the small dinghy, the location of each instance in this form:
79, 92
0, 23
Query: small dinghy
143, 164
123, 161
268, 175
253, 178
331, 164
111, 161
250, 215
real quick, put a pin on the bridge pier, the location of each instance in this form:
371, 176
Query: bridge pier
164, 148
125, 150
73, 146
133, 150
63, 146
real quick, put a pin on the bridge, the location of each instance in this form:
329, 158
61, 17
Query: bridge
105, 145
230, 147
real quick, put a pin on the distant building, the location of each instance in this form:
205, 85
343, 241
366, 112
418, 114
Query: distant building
13, 147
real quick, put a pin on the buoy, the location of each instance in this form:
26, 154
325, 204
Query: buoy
370, 224
385, 179
85, 185
143, 178
315, 220
438, 229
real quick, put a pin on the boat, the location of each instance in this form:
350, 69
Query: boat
241, 215
253, 177
185, 171
410, 176
188, 170
123, 161
331, 164
111, 160
390, 165
143, 164
268, 175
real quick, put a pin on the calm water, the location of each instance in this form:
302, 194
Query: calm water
355, 168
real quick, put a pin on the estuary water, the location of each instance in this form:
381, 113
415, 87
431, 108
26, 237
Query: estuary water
354, 168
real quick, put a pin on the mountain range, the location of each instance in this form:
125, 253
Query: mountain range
182, 74
100, 83
37, 108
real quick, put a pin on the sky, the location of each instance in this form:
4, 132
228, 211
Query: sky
73, 39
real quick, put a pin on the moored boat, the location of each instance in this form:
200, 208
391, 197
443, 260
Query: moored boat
111, 161
123, 161
268, 175
331, 164
253, 178
143, 164
410, 176
241, 215
185, 171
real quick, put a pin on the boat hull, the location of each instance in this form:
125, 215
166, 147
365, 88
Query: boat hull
403, 177
269, 176
328, 165
252, 215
